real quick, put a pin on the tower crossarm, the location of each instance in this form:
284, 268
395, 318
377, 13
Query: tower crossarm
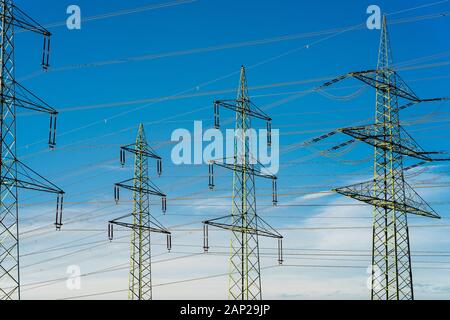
332, 133
412, 202
259, 172
381, 79
29, 179
24, 98
143, 149
375, 135
155, 225
16, 17
147, 151
412, 103
238, 224
246, 108
233, 223
151, 189
236, 105
22, 20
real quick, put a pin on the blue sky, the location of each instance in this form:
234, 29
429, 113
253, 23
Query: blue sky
99, 112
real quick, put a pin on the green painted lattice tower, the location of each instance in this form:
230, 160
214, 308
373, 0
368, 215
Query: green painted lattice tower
244, 223
390, 248
15, 174
142, 223
391, 196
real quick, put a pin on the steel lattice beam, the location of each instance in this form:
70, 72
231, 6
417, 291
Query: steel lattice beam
388, 192
244, 223
140, 221
14, 174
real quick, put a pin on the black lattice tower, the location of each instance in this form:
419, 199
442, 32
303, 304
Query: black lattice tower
244, 223
14, 174
392, 197
140, 221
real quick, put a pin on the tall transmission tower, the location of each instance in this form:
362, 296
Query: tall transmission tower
15, 174
140, 221
388, 192
244, 223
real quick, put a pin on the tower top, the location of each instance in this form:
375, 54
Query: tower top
384, 54
141, 134
243, 90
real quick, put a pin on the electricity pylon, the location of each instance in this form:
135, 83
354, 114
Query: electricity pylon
140, 221
15, 174
391, 196
246, 226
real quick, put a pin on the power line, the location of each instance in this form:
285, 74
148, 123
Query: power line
235, 45
122, 13
263, 62
15, 174
314, 266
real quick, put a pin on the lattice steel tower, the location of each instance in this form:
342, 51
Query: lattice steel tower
14, 174
142, 222
392, 197
246, 226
